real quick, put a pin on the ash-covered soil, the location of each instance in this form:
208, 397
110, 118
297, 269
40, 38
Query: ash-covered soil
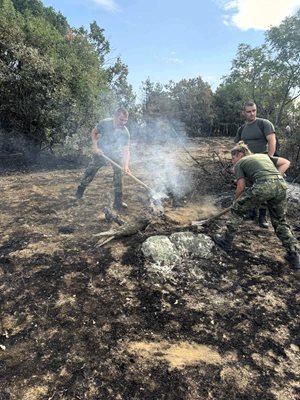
84, 321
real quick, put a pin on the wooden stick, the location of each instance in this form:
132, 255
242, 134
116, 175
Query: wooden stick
129, 174
106, 233
212, 218
126, 230
102, 242
133, 230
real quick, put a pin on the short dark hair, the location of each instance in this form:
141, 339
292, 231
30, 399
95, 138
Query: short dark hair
121, 110
249, 103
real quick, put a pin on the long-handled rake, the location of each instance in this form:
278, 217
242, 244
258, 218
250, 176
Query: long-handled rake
212, 218
156, 196
129, 173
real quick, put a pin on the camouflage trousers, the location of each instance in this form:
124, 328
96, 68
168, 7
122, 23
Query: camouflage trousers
93, 167
271, 192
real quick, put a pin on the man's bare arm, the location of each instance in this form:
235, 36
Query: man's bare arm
95, 148
271, 138
282, 165
240, 187
126, 157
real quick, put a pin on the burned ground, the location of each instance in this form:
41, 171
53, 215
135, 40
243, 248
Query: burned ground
80, 321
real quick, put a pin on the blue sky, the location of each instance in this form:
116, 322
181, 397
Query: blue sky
174, 39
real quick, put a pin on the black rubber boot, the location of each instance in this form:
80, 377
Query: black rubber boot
293, 259
262, 218
79, 192
251, 214
224, 241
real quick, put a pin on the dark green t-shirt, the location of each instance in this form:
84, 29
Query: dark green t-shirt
112, 140
254, 137
256, 166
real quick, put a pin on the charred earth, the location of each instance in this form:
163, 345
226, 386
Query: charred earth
82, 320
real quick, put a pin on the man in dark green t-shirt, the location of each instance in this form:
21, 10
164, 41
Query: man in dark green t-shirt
259, 135
114, 142
264, 173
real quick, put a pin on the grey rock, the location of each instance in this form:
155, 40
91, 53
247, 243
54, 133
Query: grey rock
165, 250
160, 249
189, 244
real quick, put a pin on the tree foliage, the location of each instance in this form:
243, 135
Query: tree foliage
193, 100
227, 104
268, 74
52, 76
56, 81
188, 102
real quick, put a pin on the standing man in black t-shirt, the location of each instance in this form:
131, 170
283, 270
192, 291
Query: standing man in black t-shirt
111, 138
259, 135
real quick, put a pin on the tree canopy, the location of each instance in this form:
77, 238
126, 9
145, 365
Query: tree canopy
53, 76
267, 74
56, 81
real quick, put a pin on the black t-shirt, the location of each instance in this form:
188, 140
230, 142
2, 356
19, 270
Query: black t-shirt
112, 140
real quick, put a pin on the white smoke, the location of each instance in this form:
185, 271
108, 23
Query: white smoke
159, 157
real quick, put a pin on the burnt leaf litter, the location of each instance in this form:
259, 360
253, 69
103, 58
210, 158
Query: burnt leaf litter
79, 321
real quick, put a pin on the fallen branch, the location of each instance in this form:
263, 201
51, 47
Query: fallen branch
142, 227
102, 242
126, 230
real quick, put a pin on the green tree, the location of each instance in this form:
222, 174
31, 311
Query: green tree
155, 107
193, 100
155, 99
227, 102
121, 91
187, 103
284, 42
37, 9
268, 74
52, 77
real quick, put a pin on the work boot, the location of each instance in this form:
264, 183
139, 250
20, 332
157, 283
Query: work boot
224, 241
118, 203
79, 192
293, 259
262, 218
120, 206
251, 214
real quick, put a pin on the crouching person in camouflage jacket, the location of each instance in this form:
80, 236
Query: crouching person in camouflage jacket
268, 186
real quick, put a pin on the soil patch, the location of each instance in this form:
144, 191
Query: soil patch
83, 321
